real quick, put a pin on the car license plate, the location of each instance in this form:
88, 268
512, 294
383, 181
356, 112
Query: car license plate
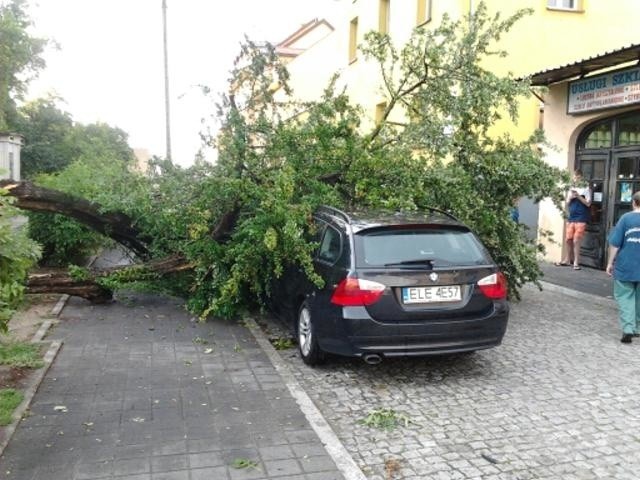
447, 293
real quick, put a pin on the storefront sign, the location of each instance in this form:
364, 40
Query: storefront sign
615, 89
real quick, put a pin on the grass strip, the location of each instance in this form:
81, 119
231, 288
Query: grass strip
20, 354
9, 400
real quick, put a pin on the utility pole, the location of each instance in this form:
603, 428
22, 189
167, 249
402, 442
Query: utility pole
166, 79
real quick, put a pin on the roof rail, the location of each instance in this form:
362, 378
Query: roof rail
444, 213
334, 211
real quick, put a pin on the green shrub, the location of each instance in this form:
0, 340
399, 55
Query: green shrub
17, 254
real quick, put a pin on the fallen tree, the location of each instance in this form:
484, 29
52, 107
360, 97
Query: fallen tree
219, 234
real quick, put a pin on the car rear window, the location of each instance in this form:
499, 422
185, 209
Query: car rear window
444, 247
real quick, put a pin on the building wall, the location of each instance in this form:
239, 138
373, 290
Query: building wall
10, 146
562, 132
545, 39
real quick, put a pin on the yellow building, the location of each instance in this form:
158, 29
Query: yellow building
558, 32
592, 116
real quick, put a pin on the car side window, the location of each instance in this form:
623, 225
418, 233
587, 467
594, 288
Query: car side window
331, 246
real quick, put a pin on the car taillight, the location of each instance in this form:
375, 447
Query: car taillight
494, 286
353, 292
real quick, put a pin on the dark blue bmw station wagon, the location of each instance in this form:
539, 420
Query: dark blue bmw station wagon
394, 285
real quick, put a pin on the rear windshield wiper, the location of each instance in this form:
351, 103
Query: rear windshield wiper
428, 262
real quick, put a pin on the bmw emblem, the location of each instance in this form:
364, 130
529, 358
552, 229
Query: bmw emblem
433, 276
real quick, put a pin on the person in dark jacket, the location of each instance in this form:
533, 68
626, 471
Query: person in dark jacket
624, 265
578, 203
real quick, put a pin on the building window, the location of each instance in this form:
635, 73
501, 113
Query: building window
384, 12
353, 40
599, 136
424, 12
564, 4
629, 131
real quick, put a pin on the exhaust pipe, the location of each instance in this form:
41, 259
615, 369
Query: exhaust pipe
372, 358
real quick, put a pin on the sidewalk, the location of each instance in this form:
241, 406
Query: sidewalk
142, 391
588, 280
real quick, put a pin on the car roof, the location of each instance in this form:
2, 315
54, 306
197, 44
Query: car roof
361, 219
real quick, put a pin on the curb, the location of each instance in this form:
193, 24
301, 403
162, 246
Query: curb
332, 444
602, 301
31, 390
55, 311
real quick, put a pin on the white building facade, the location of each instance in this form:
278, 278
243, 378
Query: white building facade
10, 146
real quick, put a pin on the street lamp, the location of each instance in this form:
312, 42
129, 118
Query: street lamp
166, 79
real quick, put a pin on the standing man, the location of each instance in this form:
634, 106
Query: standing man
578, 203
624, 265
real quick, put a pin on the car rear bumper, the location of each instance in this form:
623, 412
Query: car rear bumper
360, 335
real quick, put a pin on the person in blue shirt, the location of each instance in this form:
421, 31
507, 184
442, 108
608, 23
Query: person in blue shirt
624, 265
578, 202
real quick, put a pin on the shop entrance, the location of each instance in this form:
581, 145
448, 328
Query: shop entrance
608, 153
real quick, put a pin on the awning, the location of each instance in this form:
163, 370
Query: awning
583, 67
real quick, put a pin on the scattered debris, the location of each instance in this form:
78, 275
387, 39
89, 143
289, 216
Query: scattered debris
489, 458
282, 343
60, 408
241, 463
391, 468
386, 419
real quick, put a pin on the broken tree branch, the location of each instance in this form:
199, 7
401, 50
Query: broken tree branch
115, 225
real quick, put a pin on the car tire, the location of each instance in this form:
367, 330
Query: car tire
307, 340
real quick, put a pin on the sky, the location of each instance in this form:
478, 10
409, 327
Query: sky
109, 64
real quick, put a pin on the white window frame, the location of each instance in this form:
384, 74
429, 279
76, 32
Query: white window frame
576, 5
426, 6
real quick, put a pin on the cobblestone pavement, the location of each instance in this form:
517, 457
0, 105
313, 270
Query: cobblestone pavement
141, 391
559, 399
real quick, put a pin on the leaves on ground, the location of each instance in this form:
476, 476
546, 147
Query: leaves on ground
242, 463
282, 343
386, 419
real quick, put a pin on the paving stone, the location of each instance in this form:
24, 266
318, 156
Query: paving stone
277, 452
168, 463
280, 468
182, 475
553, 398
205, 459
131, 466
148, 404
210, 473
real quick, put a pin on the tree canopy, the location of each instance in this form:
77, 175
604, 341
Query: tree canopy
20, 57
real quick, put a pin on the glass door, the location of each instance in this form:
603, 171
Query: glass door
593, 247
625, 180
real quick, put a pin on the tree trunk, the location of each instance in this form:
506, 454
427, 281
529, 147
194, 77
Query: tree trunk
61, 281
115, 225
